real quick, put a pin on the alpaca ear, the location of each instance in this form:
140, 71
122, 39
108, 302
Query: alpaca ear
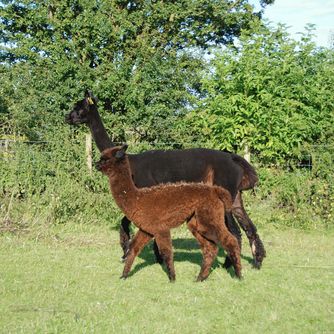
88, 93
120, 154
124, 147
90, 98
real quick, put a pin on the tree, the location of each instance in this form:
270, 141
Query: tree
331, 39
271, 93
140, 56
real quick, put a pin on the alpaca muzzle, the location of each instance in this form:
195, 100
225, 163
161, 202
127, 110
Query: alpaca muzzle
68, 119
99, 165
102, 164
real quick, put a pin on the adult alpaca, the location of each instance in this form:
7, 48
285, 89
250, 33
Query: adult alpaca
158, 209
230, 171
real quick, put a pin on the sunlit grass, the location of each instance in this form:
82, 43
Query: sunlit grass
65, 279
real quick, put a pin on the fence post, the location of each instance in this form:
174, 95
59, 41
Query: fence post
89, 158
5, 149
247, 154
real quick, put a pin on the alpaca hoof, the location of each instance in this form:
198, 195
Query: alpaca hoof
257, 264
259, 253
124, 257
238, 275
123, 277
200, 279
172, 280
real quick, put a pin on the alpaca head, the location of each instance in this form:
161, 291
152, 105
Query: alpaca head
81, 110
110, 158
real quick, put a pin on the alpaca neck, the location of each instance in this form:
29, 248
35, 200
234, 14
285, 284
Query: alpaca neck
123, 188
98, 130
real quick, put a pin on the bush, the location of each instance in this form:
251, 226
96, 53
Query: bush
296, 198
50, 181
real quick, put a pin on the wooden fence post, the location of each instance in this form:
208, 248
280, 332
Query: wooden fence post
89, 158
247, 154
5, 152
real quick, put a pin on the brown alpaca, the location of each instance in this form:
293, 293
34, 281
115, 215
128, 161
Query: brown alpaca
158, 209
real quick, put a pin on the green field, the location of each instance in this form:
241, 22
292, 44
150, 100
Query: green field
163, 75
65, 279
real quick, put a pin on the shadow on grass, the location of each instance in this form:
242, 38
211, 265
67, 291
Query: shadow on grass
179, 245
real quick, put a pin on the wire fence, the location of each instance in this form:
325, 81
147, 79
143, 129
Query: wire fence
319, 156
303, 187
310, 156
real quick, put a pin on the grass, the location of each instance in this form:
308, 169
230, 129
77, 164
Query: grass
65, 279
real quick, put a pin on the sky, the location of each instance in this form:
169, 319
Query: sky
297, 13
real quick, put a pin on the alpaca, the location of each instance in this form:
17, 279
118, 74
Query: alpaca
158, 209
190, 165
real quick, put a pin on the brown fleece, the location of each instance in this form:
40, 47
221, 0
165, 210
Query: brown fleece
158, 209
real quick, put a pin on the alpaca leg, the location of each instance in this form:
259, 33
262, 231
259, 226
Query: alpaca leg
137, 244
164, 243
124, 236
210, 225
247, 225
233, 227
230, 244
209, 251
209, 254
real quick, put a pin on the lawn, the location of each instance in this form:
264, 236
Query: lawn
65, 279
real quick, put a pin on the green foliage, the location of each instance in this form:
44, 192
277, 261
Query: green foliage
51, 181
271, 93
145, 60
138, 56
292, 198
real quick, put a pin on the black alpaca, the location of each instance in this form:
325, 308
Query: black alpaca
190, 165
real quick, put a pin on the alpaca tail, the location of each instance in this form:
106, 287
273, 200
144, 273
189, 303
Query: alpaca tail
225, 197
249, 178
